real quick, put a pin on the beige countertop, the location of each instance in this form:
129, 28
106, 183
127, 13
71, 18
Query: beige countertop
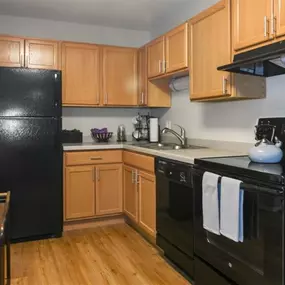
183, 155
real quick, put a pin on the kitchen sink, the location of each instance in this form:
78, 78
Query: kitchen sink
168, 146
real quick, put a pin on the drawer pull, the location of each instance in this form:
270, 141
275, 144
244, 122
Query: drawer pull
96, 158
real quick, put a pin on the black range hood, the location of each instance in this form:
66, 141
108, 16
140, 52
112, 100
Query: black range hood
266, 61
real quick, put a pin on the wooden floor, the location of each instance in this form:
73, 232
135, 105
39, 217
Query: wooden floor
115, 255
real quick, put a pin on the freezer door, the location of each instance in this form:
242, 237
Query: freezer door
31, 168
30, 92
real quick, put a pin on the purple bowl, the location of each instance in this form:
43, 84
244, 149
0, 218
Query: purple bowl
99, 131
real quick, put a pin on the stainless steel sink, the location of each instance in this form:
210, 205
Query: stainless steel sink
168, 146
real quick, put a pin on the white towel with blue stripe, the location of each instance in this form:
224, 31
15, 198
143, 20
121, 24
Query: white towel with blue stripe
231, 210
210, 200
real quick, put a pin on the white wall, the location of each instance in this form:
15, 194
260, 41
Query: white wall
228, 121
81, 118
72, 32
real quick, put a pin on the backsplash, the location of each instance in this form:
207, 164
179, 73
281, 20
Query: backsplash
85, 119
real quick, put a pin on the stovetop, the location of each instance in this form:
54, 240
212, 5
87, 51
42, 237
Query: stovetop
243, 167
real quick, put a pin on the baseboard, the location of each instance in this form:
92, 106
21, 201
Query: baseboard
93, 223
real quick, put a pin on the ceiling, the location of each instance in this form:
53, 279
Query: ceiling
128, 14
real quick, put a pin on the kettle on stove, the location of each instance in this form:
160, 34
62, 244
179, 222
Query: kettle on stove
266, 151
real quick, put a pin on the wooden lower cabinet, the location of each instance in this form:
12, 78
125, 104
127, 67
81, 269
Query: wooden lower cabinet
79, 192
130, 193
92, 190
147, 202
109, 189
140, 198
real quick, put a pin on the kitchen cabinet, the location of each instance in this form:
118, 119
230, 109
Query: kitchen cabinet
80, 74
130, 193
11, 51
142, 77
42, 54
156, 57
210, 47
92, 184
140, 191
168, 53
279, 18
30, 53
176, 49
80, 192
109, 189
119, 76
147, 202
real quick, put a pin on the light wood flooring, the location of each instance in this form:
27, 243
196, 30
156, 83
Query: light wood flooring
107, 255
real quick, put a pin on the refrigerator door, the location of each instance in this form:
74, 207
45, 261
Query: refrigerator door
30, 92
31, 168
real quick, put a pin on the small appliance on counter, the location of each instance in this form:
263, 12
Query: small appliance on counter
71, 136
121, 134
141, 127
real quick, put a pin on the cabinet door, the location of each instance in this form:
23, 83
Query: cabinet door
130, 193
147, 202
42, 54
79, 192
120, 76
11, 52
156, 57
280, 17
80, 74
210, 47
251, 22
109, 189
142, 77
176, 47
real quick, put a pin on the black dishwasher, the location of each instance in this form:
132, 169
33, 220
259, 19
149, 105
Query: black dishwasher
174, 212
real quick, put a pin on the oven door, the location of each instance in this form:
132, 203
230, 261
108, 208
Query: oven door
257, 260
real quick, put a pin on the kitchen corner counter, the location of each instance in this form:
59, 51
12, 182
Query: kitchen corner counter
183, 155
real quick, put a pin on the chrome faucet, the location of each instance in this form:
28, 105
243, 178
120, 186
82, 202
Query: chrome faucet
181, 137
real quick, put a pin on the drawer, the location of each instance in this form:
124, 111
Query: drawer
93, 157
140, 161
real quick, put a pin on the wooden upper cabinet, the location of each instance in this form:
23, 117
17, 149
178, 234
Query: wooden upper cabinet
156, 57
279, 7
210, 47
42, 54
120, 76
79, 192
80, 74
251, 22
11, 51
147, 202
109, 195
176, 48
142, 77
130, 193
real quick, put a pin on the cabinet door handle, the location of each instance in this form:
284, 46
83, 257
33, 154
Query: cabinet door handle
27, 60
93, 174
225, 83
98, 174
273, 26
96, 158
133, 177
265, 27
165, 66
21, 60
142, 98
159, 66
137, 178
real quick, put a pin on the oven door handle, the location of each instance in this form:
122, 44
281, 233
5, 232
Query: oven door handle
258, 188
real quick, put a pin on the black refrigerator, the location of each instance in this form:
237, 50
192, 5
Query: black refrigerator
31, 151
